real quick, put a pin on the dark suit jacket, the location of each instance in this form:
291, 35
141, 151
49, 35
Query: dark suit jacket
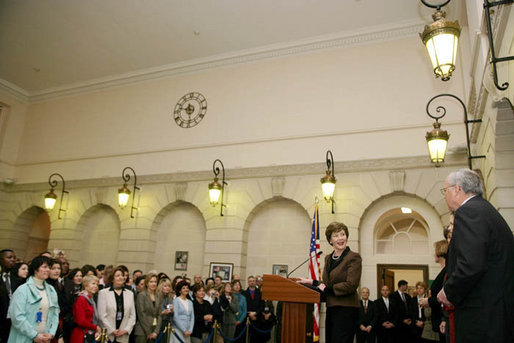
370, 317
403, 308
437, 313
383, 315
414, 315
343, 280
256, 304
481, 274
4, 294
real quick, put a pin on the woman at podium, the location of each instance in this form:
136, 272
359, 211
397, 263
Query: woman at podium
341, 277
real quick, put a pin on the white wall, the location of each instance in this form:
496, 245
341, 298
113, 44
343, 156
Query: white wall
275, 112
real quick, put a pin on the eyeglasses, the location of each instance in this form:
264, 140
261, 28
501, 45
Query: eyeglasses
445, 189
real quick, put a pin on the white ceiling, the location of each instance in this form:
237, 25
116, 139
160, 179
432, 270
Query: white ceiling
55, 44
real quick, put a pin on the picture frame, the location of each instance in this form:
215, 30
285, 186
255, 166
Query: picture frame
181, 258
223, 270
280, 269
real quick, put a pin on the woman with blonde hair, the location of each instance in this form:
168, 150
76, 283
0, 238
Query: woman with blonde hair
85, 315
148, 306
166, 293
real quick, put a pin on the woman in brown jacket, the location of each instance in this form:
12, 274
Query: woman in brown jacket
341, 277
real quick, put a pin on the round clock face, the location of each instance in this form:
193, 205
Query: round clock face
190, 110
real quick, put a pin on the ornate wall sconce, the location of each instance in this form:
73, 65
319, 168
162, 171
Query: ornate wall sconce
494, 59
437, 139
51, 197
441, 39
216, 189
124, 192
328, 182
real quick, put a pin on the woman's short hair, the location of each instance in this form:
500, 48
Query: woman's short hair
38, 262
118, 268
335, 227
441, 248
197, 287
88, 268
88, 279
422, 284
180, 285
236, 281
149, 277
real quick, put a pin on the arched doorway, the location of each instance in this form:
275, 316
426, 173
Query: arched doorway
401, 242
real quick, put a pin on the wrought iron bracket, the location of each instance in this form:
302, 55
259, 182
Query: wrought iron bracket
494, 59
442, 110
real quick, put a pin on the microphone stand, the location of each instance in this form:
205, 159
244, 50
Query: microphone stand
310, 257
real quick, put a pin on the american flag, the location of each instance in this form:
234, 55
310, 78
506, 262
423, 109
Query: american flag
314, 267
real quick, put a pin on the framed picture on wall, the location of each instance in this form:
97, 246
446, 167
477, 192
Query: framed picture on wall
181, 260
280, 269
223, 270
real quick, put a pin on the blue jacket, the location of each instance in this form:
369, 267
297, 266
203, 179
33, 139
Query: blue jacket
25, 304
183, 319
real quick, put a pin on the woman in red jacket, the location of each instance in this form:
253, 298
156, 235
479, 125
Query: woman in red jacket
84, 313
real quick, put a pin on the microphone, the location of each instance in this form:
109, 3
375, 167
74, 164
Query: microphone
301, 264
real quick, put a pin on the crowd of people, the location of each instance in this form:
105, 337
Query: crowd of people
45, 301
469, 301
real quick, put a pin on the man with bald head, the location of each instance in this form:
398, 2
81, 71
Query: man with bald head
480, 265
387, 317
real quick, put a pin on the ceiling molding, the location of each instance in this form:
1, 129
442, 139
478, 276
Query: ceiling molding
334, 41
15, 91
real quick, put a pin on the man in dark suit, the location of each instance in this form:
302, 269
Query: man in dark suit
417, 312
8, 284
403, 329
387, 317
480, 264
254, 305
367, 319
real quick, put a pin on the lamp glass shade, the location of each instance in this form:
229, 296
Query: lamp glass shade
214, 192
328, 186
328, 189
442, 50
437, 150
441, 39
50, 200
437, 141
123, 196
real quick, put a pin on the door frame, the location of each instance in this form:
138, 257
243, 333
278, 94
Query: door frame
381, 268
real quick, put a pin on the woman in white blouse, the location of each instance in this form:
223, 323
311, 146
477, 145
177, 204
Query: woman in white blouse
116, 311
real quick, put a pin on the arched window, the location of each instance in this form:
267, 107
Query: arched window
401, 233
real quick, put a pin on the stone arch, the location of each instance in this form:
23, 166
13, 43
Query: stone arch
98, 236
277, 231
31, 232
368, 227
180, 226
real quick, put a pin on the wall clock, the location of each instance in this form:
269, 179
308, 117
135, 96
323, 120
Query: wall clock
190, 110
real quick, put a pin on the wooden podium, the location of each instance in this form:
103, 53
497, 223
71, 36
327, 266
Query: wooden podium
295, 298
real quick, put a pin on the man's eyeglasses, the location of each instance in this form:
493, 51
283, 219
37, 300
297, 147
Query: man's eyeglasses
445, 189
